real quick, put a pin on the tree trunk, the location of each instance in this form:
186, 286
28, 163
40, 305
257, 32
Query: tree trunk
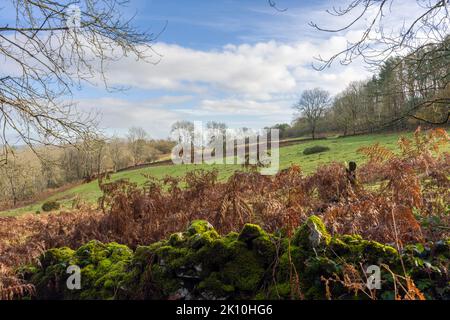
13, 191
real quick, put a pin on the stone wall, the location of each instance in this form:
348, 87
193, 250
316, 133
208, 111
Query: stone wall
200, 264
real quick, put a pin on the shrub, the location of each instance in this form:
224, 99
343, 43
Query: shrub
50, 206
315, 149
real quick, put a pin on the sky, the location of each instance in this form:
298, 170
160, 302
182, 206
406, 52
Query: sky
239, 62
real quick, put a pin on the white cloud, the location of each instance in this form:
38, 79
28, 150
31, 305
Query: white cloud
118, 115
243, 107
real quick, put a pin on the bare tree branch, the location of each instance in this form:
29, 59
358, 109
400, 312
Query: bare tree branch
47, 58
420, 46
273, 4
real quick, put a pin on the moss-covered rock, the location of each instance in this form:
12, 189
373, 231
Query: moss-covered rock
312, 234
200, 264
52, 271
199, 227
102, 269
250, 232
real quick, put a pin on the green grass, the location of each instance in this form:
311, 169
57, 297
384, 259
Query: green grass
341, 149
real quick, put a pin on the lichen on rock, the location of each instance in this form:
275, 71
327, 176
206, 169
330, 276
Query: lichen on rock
312, 234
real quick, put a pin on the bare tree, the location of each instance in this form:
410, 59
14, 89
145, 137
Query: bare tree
214, 125
378, 42
312, 106
16, 185
183, 124
137, 140
183, 131
422, 40
51, 48
216, 129
117, 148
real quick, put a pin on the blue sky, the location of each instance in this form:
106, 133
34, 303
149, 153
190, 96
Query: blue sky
239, 62
209, 25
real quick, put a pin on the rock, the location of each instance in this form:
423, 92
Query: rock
312, 234
250, 232
198, 227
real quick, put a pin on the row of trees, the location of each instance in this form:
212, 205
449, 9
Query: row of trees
404, 93
91, 158
26, 174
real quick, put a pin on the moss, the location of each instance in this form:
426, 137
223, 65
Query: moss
328, 258
27, 271
173, 258
180, 258
215, 286
311, 277
250, 232
291, 261
92, 252
118, 252
103, 268
199, 226
377, 253
245, 270
58, 256
353, 249
232, 236
264, 246
177, 260
176, 239
144, 254
138, 282
237, 261
312, 234
201, 239
218, 253
50, 272
164, 282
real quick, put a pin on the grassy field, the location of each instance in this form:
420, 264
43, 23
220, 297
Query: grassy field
341, 149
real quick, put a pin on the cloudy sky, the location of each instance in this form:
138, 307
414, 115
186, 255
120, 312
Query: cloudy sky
239, 62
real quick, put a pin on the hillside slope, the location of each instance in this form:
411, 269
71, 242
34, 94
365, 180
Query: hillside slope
341, 150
